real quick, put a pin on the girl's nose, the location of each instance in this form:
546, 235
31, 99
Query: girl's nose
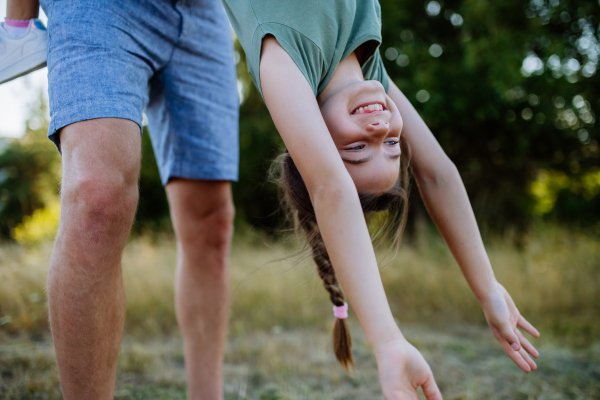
378, 127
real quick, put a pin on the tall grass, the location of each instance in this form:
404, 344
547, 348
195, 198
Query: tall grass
553, 280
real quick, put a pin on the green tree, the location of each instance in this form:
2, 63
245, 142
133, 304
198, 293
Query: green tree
29, 172
507, 88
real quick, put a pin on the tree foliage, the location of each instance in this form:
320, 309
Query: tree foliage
510, 96
29, 173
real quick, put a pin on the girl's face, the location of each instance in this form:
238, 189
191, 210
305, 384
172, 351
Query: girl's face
365, 125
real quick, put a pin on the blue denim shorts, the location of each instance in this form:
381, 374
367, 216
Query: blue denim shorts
174, 59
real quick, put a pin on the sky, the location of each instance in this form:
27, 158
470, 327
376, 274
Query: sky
17, 96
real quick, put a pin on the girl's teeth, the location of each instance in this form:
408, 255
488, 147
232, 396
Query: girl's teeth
370, 107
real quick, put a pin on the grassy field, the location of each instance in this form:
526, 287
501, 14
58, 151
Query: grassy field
273, 354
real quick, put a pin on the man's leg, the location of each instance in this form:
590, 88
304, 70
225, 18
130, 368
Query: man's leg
101, 160
202, 213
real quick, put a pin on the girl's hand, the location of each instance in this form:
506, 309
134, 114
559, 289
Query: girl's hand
402, 369
504, 320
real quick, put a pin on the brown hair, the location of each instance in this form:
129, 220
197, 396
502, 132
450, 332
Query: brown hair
393, 206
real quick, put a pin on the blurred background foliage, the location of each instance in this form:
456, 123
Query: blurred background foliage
29, 179
510, 90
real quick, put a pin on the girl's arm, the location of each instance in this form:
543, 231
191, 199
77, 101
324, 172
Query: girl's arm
446, 199
22, 9
298, 119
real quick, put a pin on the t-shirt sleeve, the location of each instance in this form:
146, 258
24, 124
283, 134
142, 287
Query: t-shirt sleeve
374, 70
305, 54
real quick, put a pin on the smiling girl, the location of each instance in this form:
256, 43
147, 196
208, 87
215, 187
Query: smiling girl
344, 123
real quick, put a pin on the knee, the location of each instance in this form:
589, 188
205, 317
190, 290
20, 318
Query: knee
102, 205
101, 161
209, 229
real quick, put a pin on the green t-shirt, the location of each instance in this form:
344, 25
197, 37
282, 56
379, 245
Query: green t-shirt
317, 34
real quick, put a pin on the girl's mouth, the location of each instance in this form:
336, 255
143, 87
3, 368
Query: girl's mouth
368, 108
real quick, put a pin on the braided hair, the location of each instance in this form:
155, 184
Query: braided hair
297, 200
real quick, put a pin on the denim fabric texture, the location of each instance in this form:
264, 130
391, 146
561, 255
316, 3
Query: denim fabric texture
111, 58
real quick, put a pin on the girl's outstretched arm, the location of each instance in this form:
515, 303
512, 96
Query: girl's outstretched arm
446, 199
298, 119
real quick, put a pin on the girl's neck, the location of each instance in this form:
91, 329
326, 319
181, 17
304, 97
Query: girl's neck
347, 73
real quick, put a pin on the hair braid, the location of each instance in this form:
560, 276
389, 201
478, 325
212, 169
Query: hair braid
342, 342
297, 200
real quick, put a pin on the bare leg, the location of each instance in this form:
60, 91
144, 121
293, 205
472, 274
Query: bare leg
22, 9
101, 161
202, 213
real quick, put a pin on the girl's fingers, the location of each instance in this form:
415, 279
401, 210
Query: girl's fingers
510, 336
528, 359
527, 345
430, 389
524, 324
515, 356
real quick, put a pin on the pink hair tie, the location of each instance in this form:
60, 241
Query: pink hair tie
341, 312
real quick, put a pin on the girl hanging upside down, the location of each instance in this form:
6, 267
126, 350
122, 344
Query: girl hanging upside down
348, 131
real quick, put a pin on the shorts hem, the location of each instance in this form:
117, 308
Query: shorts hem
207, 174
90, 110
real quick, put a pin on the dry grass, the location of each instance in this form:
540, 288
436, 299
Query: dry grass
275, 354
296, 364
553, 280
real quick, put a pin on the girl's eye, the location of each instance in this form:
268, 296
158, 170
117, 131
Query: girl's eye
360, 147
392, 142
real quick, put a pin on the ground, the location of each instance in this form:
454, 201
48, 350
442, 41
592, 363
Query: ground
298, 364
273, 353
